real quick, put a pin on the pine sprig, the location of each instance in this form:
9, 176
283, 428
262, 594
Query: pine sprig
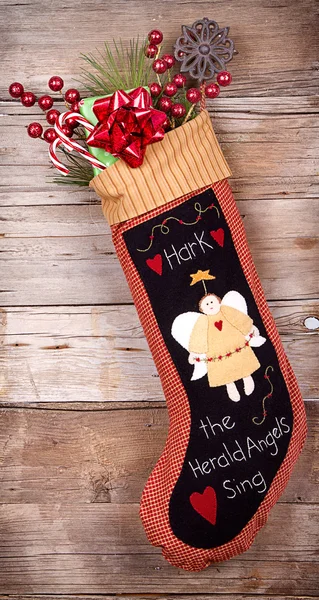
116, 68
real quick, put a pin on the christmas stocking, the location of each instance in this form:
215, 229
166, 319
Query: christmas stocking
236, 417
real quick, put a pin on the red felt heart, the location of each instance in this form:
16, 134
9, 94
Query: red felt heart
156, 264
205, 504
218, 235
219, 325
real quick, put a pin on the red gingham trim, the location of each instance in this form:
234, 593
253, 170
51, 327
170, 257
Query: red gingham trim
161, 482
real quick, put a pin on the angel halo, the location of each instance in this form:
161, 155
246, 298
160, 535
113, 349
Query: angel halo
219, 340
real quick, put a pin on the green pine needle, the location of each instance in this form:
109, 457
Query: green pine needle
81, 171
116, 68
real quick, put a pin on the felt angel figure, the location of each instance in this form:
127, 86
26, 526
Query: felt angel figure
219, 340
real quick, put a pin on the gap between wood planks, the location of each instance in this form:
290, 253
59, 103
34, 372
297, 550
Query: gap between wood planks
247, 105
97, 406
150, 596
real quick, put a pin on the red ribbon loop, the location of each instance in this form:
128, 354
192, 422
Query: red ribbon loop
127, 123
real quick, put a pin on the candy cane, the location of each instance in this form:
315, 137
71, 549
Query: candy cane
54, 159
71, 144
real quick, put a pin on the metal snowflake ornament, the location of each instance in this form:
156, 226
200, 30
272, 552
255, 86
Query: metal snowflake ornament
204, 49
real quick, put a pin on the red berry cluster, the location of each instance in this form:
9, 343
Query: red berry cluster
45, 102
160, 65
155, 37
212, 90
169, 93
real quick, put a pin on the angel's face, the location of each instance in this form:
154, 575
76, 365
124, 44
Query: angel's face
210, 305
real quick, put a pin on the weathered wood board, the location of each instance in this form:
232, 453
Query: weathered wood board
64, 254
99, 353
65, 456
276, 41
82, 414
71, 548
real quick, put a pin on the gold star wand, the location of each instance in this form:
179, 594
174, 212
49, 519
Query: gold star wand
201, 276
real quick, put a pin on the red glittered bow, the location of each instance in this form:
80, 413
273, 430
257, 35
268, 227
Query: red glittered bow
127, 123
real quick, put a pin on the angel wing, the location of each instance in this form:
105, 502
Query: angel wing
236, 300
181, 331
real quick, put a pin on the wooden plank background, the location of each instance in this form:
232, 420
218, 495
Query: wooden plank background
83, 418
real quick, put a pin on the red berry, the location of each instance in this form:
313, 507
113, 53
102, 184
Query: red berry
73, 122
28, 99
193, 95
35, 130
45, 102
75, 107
170, 89
56, 83
67, 130
212, 90
179, 80
178, 110
155, 36
52, 116
155, 89
181, 54
169, 59
165, 104
72, 95
50, 135
159, 66
224, 78
16, 89
151, 51
167, 124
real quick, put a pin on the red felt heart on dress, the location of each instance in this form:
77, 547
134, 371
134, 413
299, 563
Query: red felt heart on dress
156, 264
205, 504
218, 235
219, 325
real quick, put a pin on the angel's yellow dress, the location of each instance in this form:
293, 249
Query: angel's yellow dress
220, 335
